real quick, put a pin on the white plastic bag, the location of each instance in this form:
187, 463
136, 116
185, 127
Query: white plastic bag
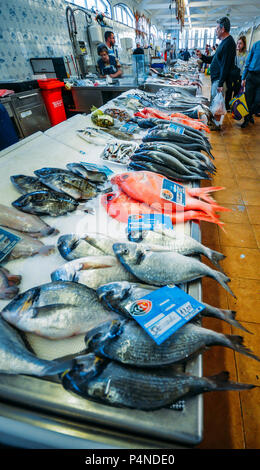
218, 108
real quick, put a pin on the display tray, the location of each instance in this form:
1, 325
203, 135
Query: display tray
184, 426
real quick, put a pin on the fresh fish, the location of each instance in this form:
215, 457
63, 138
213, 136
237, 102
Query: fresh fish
146, 187
127, 342
46, 203
70, 184
96, 176
16, 359
118, 296
7, 291
118, 134
56, 310
47, 171
26, 223
115, 385
163, 268
27, 184
92, 271
94, 136
74, 246
142, 165
28, 246
13, 279
178, 242
120, 206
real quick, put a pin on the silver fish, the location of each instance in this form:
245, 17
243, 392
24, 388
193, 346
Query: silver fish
73, 246
127, 342
162, 268
56, 310
80, 169
28, 246
92, 271
118, 296
180, 243
15, 358
113, 384
26, 223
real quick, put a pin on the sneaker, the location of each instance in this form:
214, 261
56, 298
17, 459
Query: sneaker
245, 124
251, 119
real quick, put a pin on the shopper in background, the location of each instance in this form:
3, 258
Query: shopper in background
185, 55
138, 50
251, 83
107, 64
222, 62
110, 43
241, 54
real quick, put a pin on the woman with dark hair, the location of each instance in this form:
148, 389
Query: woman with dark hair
107, 64
241, 54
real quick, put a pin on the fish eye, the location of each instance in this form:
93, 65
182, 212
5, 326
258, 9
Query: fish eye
110, 197
124, 177
126, 251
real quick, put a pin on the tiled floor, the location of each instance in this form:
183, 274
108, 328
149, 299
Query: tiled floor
232, 419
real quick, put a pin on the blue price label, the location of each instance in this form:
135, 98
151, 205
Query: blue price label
173, 192
139, 222
164, 311
7, 243
177, 129
94, 167
128, 127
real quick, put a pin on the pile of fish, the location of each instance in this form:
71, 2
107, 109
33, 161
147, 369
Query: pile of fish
119, 153
147, 113
57, 191
140, 192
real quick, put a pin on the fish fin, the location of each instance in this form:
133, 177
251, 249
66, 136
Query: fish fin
221, 382
215, 257
9, 292
14, 279
46, 250
58, 366
236, 343
226, 315
222, 279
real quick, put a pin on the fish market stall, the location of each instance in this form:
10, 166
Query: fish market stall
79, 213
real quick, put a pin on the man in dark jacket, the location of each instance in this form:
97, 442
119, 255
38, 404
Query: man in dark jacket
223, 61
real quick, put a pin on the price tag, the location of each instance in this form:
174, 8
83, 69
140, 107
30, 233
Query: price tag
7, 243
173, 192
177, 129
139, 222
164, 311
128, 127
94, 167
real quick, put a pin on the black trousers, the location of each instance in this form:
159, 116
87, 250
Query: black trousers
252, 92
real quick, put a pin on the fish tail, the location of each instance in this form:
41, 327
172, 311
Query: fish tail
195, 215
203, 193
9, 292
223, 280
46, 250
215, 257
226, 315
235, 342
221, 382
57, 366
13, 279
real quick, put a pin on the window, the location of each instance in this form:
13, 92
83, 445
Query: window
79, 3
123, 14
102, 6
154, 31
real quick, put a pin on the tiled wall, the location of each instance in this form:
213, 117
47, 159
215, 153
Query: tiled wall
36, 28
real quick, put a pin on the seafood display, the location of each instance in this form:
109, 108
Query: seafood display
95, 273
119, 153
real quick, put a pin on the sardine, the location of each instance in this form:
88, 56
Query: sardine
125, 341
27, 184
165, 268
26, 223
46, 203
57, 310
115, 385
118, 296
28, 246
15, 358
92, 271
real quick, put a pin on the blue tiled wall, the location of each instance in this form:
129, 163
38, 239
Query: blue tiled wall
31, 28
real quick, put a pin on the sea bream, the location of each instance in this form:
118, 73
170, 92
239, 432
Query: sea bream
23, 222
15, 358
115, 385
118, 296
163, 268
125, 341
56, 310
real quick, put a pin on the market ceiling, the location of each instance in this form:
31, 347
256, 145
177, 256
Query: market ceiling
203, 13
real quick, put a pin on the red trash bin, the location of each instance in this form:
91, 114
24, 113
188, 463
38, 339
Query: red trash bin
51, 92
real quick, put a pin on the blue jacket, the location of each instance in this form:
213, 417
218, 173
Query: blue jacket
107, 69
253, 60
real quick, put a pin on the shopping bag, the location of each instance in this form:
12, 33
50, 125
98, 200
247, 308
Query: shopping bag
238, 106
218, 108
